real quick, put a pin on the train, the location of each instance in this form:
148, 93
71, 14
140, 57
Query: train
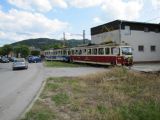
103, 54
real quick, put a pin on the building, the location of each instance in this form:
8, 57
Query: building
143, 37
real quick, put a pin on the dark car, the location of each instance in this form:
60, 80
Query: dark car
11, 59
34, 59
4, 60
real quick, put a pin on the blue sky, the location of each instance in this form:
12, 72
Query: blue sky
25, 19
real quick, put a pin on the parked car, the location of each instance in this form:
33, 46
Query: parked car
19, 63
34, 59
4, 60
11, 59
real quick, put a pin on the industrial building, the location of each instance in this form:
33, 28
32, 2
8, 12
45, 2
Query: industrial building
143, 37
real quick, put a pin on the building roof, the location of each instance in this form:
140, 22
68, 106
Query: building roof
115, 25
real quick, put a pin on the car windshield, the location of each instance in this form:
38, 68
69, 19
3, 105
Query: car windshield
19, 60
126, 50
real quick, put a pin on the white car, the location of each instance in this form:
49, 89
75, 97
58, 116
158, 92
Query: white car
20, 63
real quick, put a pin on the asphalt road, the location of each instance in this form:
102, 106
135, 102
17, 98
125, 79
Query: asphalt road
18, 88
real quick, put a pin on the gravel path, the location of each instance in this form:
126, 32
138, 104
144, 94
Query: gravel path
78, 71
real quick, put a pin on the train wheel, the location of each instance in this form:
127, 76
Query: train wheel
113, 63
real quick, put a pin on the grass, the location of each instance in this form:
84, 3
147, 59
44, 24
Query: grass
60, 98
40, 112
62, 64
116, 95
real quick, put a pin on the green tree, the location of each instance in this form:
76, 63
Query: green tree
21, 50
52, 46
35, 52
6, 49
0, 50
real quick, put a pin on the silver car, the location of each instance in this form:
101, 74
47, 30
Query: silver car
20, 63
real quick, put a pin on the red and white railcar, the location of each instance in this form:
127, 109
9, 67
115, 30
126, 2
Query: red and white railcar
103, 54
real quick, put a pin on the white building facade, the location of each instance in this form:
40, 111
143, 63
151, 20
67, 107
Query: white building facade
143, 37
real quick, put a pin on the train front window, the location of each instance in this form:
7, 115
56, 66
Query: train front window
126, 50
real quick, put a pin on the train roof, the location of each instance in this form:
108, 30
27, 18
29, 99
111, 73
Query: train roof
101, 45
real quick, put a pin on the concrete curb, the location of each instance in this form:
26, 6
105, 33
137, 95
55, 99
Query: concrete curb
22, 116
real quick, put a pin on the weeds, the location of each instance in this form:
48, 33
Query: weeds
40, 112
61, 98
116, 95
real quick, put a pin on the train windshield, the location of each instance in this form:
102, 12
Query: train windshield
126, 50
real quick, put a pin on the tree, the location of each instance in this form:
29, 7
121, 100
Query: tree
6, 49
21, 50
35, 52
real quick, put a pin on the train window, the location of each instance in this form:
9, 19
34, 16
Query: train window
64, 52
76, 52
59, 52
89, 52
80, 52
115, 51
101, 51
107, 51
69, 52
94, 51
72, 52
84, 51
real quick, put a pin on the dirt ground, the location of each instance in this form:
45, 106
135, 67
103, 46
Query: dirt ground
147, 67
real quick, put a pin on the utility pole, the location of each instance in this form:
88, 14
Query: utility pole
84, 36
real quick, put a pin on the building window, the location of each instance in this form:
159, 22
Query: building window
146, 29
153, 48
127, 30
140, 48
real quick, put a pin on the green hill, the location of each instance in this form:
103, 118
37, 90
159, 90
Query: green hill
46, 43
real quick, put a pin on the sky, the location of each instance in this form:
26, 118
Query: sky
26, 19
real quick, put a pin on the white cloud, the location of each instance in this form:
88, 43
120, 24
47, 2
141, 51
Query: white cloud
38, 5
19, 25
120, 9
23, 4
97, 20
85, 3
60, 3
156, 3
42, 5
